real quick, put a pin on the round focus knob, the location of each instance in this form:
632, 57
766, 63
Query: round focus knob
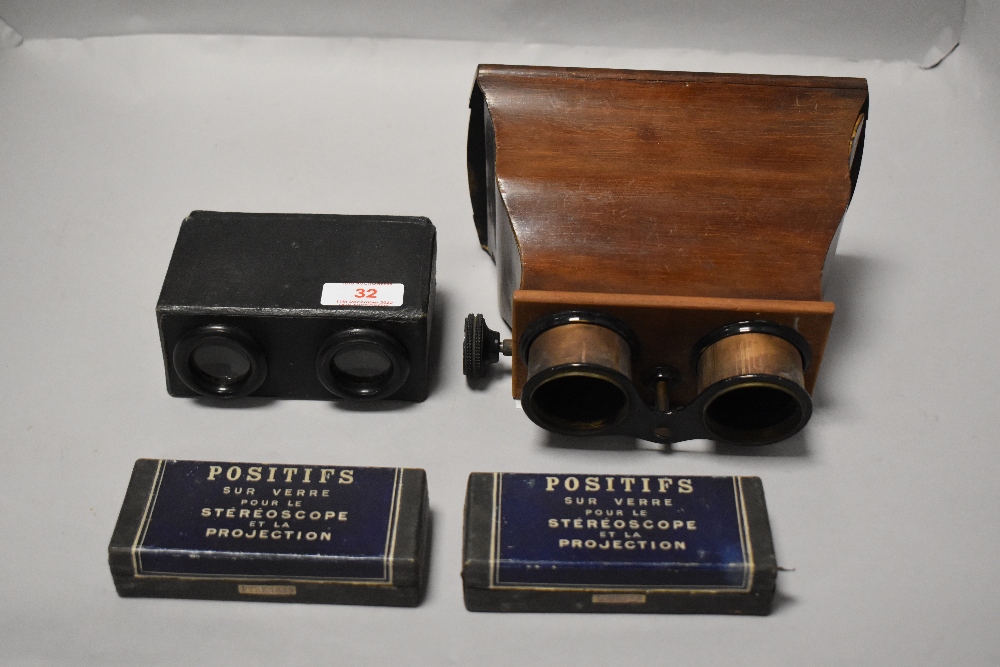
481, 347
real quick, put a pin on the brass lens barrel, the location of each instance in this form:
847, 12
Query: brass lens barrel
756, 387
575, 380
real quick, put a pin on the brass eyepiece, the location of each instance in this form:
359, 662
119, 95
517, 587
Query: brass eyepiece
756, 388
576, 378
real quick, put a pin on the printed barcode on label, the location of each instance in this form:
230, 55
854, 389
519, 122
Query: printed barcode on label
362, 294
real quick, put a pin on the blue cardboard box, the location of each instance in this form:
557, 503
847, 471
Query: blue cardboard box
272, 532
617, 543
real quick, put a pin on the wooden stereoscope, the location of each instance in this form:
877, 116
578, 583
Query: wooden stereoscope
661, 240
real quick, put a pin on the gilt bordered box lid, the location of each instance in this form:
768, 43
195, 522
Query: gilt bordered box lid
312, 533
557, 542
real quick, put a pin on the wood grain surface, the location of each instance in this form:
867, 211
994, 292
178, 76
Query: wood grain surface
672, 183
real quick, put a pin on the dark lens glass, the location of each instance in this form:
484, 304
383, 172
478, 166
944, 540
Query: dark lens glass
362, 363
755, 414
221, 363
755, 408
579, 402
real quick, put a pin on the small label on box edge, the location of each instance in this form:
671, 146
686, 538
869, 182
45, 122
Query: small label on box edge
618, 598
258, 589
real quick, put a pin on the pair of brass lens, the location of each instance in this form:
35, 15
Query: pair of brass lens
750, 384
224, 361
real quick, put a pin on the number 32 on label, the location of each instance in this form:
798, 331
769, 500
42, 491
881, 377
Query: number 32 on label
362, 294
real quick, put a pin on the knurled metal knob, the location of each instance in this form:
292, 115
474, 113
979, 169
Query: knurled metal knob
481, 347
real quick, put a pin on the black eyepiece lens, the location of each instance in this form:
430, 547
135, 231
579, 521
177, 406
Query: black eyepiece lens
221, 363
362, 363
219, 360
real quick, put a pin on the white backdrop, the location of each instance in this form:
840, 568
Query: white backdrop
887, 506
922, 31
